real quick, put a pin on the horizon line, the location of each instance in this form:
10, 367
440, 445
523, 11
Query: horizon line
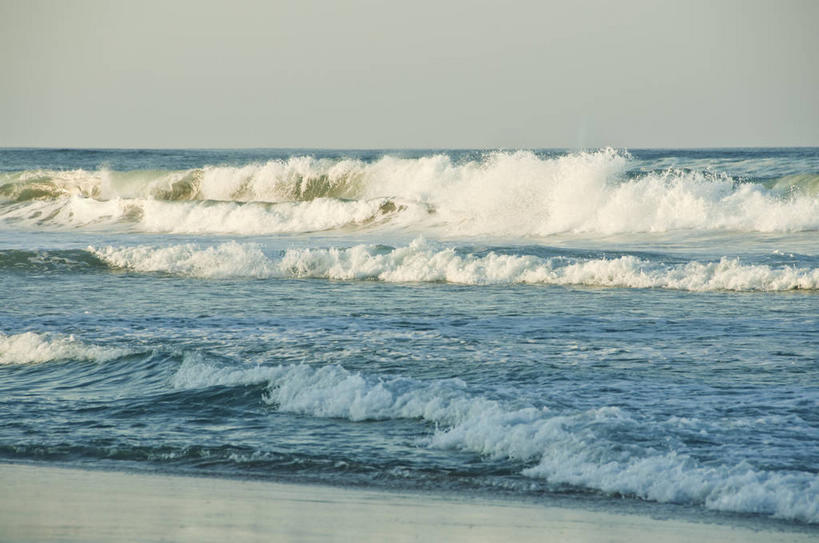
498, 148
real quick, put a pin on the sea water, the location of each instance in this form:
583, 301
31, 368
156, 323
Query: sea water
619, 329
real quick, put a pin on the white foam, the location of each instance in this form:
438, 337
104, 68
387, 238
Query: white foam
195, 372
421, 261
221, 261
561, 448
252, 218
673, 478
33, 348
502, 194
147, 215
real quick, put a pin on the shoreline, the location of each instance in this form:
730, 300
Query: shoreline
74, 504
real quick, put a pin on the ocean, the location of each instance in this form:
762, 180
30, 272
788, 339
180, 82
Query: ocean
613, 329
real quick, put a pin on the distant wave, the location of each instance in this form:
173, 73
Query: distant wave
561, 448
424, 262
507, 194
33, 348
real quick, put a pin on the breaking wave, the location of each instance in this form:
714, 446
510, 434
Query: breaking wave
33, 348
509, 194
567, 448
207, 217
422, 261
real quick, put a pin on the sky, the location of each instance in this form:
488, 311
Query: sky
420, 74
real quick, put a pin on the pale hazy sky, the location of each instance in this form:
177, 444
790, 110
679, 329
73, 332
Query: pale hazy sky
366, 73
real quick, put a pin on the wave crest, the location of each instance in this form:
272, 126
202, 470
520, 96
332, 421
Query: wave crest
421, 261
33, 348
561, 448
515, 194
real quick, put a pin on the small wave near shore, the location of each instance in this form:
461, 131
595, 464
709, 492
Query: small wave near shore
563, 448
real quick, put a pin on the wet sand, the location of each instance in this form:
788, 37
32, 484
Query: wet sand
59, 504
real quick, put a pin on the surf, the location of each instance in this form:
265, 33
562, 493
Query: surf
561, 447
427, 262
518, 194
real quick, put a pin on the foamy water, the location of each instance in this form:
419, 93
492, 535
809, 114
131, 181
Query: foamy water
508, 194
565, 448
423, 262
33, 348
621, 330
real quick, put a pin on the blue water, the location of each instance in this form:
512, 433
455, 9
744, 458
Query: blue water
614, 329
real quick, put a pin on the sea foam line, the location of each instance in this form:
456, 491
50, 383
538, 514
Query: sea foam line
421, 261
565, 448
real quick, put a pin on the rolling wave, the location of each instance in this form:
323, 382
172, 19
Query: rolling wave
421, 261
567, 448
33, 348
508, 194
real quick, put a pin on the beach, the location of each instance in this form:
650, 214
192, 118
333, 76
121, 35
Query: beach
429, 271
41, 503
552, 328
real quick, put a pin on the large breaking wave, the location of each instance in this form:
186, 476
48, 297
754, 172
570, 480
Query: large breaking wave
507, 194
